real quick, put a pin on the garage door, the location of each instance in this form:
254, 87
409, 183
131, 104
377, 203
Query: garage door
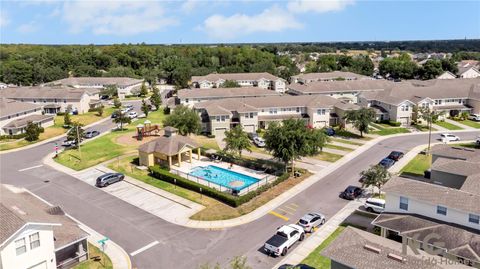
220, 132
42, 265
404, 121
249, 128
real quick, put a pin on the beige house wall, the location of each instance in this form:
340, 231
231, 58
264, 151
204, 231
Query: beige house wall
145, 159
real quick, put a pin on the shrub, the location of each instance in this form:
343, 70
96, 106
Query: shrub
166, 110
229, 199
17, 136
391, 123
60, 113
211, 136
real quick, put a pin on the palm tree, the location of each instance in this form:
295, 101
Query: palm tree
430, 116
237, 140
121, 118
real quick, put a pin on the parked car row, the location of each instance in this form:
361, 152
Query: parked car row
391, 159
287, 235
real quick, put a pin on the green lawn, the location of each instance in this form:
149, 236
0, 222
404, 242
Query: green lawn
97, 260
471, 123
205, 142
330, 146
423, 128
156, 117
96, 151
448, 125
345, 141
418, 165
328, 157
390, 131
315, 259
348, 134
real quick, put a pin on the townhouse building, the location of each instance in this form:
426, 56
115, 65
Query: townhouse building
348, 90
319, 111
35, 235
189, 97
468, 69
327, 76
446, 205
15, 115
125, 85
260, 80
55, 99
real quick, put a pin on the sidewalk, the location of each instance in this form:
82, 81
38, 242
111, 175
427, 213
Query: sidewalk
312, 242
118, 256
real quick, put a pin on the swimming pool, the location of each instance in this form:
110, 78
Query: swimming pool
224, 177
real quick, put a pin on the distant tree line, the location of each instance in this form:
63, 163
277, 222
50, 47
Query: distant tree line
360, 64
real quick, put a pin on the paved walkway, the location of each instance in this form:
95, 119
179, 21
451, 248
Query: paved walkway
461, 125
345, 145
312, 242
118, 256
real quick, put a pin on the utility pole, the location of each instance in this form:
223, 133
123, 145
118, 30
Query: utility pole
78, 143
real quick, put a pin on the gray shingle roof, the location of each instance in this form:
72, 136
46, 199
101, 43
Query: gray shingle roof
456, 239
349, 249
447, 151
434, 194
22, 122
10, 107
225, 93
38, 92
234, 76
330, 75
341, 86
168, 145
29, 209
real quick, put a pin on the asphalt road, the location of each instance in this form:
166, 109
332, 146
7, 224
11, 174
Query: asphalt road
179, 247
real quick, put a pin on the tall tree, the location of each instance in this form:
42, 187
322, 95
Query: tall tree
67, 120
430, 116
156, 99
145, 108
100, 110
32, 131
431, 69
76, 133
376, 176
110, 91
122, 118
292, 139
143, 89
116, 102
184, 119
230, 84
361, 119
236, 140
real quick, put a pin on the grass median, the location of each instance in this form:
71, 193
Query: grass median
315, 259
97, 260
448, 125
417, 165
471, 123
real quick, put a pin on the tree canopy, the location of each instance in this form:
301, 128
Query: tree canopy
361, 119
33, 131
184, 119
230, 84
236, 140
376, 176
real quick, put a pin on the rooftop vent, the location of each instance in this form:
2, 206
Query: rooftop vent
170, 131
396, 257
372, 248
55, 210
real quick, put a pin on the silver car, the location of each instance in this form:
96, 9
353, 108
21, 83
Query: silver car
311, 220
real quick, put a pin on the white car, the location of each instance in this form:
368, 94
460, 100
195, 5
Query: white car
374, 205
68, 143
311, 221
449, 137
474, 117
259, 142
132, 114
283, 239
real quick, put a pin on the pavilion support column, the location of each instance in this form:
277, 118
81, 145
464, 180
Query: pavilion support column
169, 161
198, 153
190, 155
179, 159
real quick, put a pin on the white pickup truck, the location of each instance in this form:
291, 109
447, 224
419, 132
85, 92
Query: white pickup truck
283, 239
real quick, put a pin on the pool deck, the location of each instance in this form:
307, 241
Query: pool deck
187, 167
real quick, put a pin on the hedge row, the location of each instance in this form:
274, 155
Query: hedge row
17, 136
269, 167
227, 198
391, 123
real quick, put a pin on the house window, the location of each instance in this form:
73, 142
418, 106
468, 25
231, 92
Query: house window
321, 111
472, 218
186, 100
218, 118
34, 240
441, 210
298, 110
20, 246
404, 203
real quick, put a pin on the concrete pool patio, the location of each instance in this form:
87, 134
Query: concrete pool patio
186, 168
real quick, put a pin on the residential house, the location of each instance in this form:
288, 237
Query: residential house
125, 86
327, 76
446, 204
261, 80
318, 111
167, 149
15, 115
450, 96
447, 75
348, 90
189, 97
35, 235
468, 69
54, 99
358, 249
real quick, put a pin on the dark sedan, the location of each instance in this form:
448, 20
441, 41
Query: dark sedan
387, 163
91, 134
351, 192
395, 155
108, 178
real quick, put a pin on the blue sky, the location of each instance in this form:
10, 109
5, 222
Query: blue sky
192, 21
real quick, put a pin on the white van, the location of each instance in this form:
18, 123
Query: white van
375, 205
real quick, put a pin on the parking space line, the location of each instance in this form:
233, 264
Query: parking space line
295, 205
28, 168
287, 211
291, 208
278, 215
143, 248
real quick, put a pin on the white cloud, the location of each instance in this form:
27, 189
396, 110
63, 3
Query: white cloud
28, 27
4, 19
318, 6
189, 5
273, 19
115, 17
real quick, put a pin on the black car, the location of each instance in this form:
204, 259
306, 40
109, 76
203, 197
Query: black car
115, 114
351, 192
395, 155
91, 134
108, 178
330, 131
387, 163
